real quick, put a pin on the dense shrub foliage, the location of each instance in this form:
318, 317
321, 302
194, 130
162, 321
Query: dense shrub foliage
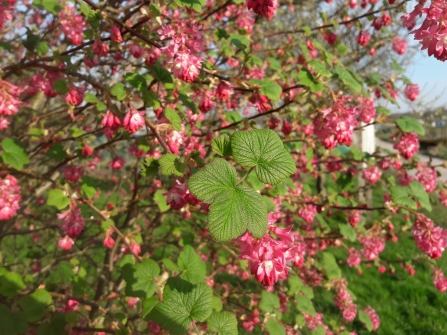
190, 166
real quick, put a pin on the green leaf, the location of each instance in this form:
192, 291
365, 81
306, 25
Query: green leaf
52, 6
35, 306
217, 303
42, 48
160, 199
331, 266
89, 97
58, 199
366, 320
224, 323
347, 231
56, 326
383, 110
274, 327
304, 304
14, 154
319, 331
274, 64
182, 303
161, 74
320, 68
347, 79
88, 191
264, 150
119, 91
240, 42
171, 164
193, 4
11, 283
57, 152
221, 145
12, 323
94, 17
193, 267
140, 278
268, 88
149, 167
174, 118
269, 301
234, 208
306, 78
137, 81
408, 125
399, 195
170, 265
60, 86
418, 191
32, 41
233, 117
295, 285
148, 305
189, 103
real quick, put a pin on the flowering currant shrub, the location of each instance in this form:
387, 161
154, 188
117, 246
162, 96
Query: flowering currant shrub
190, 167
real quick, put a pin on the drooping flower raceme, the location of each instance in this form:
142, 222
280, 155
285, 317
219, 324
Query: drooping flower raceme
9, 197
408, 145
430, 239
73, 223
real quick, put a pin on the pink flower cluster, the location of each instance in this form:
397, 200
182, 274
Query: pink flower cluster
268, 256
372, 243
266, 8
430, 239
178, 196
9, 197
72, 25
353, 259
412, 91
439, 280
372, 174
443, 197
399, 45
133, 120
112, 123
367, 111
408, 145
432, 34
344, 301
186, 40
73, 173
6, 12
73, 222
427, 176
335, 125
9, 102
363, 38
315, 321
375, 320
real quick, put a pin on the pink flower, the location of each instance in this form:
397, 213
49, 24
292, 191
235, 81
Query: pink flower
111, 121
439, 280
260, 102
117, 163
400, 46
72, 25
264, 8
430, 239
273, 122
75, 96
427, 176
443, 197
286, 128
4, 123
87, 150
372, 174
344, 301
73, 173
353, 258
73, 223
115, 35
175, 197
133, 120
363, 38
100, 48
223, 91
367, 111
132, 302
408, 145
373, 317
372, 243
335, 125
66, 242
412, 91
9, 197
